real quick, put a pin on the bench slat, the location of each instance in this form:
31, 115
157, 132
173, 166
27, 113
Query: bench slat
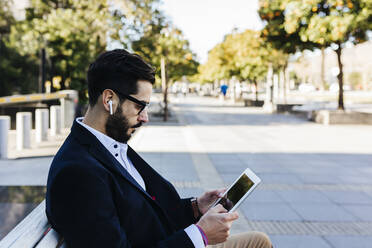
29, 231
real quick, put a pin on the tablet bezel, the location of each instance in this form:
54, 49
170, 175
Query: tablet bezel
253, 177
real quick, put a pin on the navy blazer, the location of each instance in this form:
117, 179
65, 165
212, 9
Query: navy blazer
92, 201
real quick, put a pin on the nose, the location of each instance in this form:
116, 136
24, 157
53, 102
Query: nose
143, 116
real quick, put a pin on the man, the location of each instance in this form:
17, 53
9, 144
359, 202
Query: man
101, 193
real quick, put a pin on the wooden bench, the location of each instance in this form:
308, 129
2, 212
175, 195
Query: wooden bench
33, 231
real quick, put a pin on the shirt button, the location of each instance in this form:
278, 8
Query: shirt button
115, 146
116, 154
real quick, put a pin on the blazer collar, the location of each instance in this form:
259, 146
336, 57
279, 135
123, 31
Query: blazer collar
97, 150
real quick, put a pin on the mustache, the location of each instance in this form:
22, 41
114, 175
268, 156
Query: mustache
137, 125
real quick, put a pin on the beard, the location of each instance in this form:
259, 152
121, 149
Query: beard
117, 126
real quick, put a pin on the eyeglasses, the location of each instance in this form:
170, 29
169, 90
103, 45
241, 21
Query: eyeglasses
143, 104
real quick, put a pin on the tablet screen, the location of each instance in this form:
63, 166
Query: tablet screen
236, 192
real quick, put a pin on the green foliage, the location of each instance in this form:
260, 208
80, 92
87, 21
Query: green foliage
330, 21
171, 45
216, 67
273, 13
6, 18
301, 24
242, 55
73, 33
18, 73
154, 37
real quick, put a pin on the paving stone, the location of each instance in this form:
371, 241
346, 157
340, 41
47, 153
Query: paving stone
319, 179
320, 187
279, 178
228, 179
230, 169
303, 196
343, 197
355, 179
363, 212
298, 241
322, 212
189, 192
315, 228
265, 196
175, 175
31, 171
269, 212
350, 241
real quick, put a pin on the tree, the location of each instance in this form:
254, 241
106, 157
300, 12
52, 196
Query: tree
171, 45
72, 32
244, 55
273, 13
216, 66
254, 56
154, 38
331, 22
17, 71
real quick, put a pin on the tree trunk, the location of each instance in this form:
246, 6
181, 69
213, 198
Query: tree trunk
256, 86
42, 72
340, 79
322, 78
164, 84
285, 82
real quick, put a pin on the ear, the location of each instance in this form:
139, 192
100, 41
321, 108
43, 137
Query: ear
108, 100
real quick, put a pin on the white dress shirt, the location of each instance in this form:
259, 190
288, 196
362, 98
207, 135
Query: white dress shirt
119, 151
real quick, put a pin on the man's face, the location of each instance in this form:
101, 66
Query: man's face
126, 119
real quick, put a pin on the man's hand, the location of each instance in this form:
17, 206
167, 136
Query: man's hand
208, 198
216, 224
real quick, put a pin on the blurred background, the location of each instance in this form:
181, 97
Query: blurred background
293, 77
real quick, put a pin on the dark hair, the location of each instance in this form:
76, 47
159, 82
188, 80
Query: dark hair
118, 70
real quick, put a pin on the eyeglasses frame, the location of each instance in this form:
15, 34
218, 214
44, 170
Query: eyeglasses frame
143, 104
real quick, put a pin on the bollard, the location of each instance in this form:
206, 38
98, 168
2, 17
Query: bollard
4, 129
68, 106
41, 124
23, 125
55, 120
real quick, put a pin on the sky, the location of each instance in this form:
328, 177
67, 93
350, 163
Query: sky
205, 22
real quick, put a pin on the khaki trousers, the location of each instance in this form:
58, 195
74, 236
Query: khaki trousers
245, 240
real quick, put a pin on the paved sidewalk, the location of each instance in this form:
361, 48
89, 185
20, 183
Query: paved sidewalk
316, 190
40, 149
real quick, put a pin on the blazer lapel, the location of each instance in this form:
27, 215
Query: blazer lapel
149, 175
97, 150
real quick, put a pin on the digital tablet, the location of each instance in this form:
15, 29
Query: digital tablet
239, 190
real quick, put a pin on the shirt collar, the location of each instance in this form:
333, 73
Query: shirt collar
112, 145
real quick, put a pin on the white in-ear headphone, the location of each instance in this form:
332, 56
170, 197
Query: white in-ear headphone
110, 104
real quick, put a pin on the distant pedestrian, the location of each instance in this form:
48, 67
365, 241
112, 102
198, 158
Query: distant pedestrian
224, 88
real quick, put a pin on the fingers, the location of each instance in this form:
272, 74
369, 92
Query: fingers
218, 192
223, 190
219, 209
